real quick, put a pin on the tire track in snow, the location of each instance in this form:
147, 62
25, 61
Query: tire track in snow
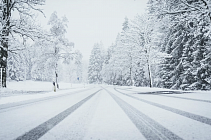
153, 92
192, 116
43, 128
5, 107
161, 93
147, 126
199, 100
74, 127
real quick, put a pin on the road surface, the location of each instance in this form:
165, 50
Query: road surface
108, 113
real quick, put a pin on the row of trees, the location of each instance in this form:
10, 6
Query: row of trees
29, 52
186, 38
129, 60
167, 47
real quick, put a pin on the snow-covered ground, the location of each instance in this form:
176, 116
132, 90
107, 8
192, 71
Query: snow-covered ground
175, 113
103, 112
28, 90
30, 86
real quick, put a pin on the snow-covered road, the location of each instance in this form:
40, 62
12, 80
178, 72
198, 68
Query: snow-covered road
108, 113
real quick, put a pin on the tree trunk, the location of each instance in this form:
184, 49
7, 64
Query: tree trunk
131, 66
29, 72
149, 73
131, 78
57, 80
4, 39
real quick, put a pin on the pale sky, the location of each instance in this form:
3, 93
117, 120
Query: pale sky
92, 21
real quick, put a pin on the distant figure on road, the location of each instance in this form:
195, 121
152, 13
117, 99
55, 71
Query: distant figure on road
54, 86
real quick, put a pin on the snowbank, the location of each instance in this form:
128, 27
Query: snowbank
27, 90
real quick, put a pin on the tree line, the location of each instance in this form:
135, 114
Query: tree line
167, 47
30, 52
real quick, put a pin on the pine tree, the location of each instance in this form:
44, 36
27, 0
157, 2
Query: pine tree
187, 58
78, 63
201, 56
95, 65
172, 68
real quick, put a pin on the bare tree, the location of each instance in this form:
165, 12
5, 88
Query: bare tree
10, 27
61, 48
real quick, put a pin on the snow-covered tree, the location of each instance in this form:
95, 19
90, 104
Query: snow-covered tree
107, 69
129, 60
79, 65
142, 49
95, 64
11, 27
187, 42
57, 47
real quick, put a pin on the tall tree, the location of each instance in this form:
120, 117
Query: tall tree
187, 41
141, 50
61, 48
95, 65
17, 26
78, 63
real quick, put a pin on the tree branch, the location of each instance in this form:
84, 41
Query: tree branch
176, 12
36, 9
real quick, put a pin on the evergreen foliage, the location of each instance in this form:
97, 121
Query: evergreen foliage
95, 65
187, 41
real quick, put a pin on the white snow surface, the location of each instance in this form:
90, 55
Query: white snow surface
182, 126
101, 117
28, 90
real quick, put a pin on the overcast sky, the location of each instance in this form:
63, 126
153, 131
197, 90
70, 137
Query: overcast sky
92, 21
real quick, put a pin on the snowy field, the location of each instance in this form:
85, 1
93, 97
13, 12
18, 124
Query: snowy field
31, 86
103, 112
26, 90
